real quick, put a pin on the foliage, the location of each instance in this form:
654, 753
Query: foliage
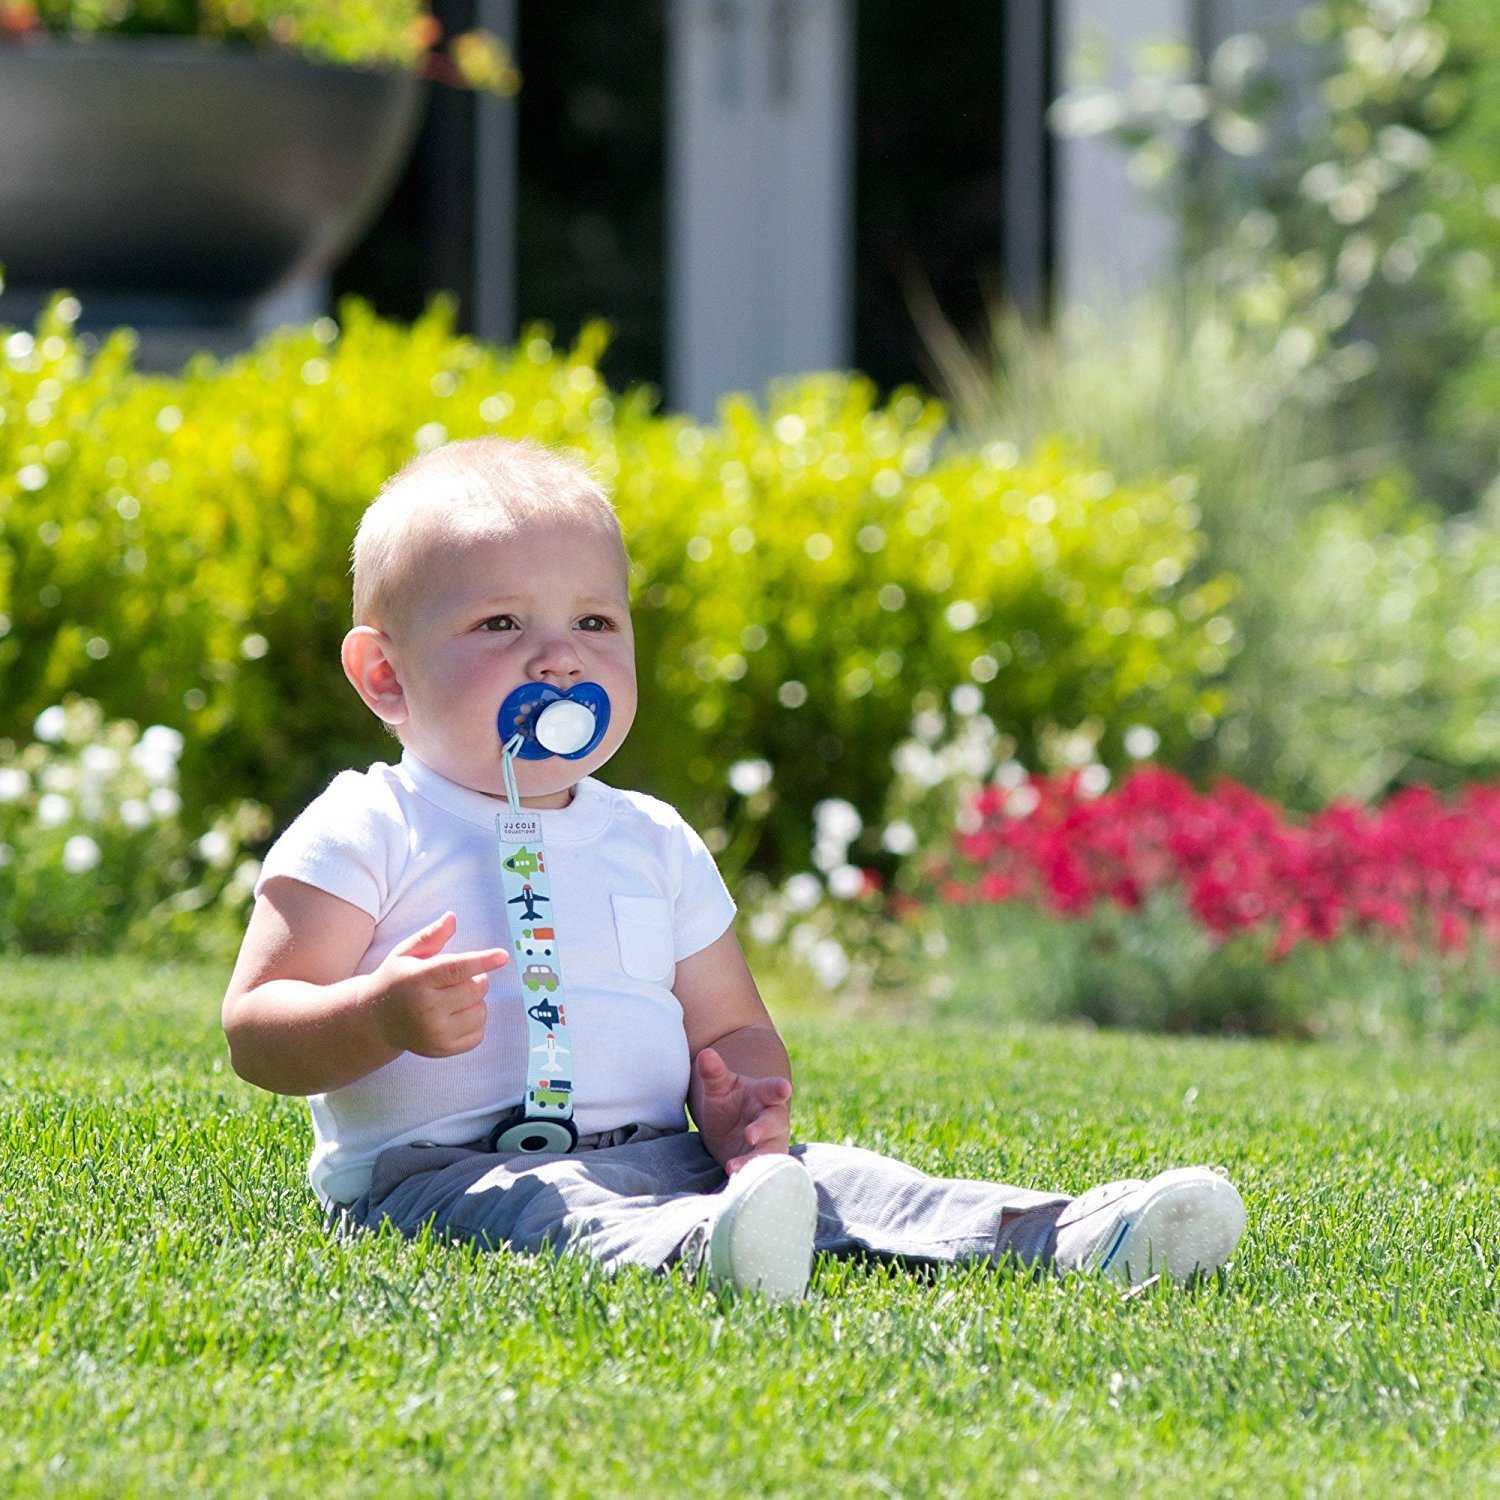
95, 853
1157, 968
990, 893
176, 549
375, 33
1381, 667
1414, 869
174, 1320
1155, 905
1358, 235
1368, 641
810, 561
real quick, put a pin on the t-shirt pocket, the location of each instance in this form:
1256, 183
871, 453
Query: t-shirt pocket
643, 929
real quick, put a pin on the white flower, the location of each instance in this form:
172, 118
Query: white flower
846, 882
101, 760
803, 891
164, 802
80, 854
1011, 774
6, 855
899, 837
157, 768
927, 725
766, 926
242, 882
50, 724
1141, 740
837, 820
160, 740
14, 784
214, 846
59, 778
829, 962
917, 763
156, 755
966, 699
53, 810
968, 756
747, 777
134, 813
1093, 781
1022, 802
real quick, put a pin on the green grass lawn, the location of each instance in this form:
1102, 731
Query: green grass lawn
174, 1321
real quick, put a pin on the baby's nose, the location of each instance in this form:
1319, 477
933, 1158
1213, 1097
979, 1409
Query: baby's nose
556, 659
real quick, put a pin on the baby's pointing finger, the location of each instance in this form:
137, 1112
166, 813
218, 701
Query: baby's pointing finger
462, 966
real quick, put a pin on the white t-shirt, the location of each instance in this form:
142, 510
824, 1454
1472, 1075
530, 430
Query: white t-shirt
634, 890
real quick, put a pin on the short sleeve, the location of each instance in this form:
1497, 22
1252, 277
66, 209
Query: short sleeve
702, 907
342, 842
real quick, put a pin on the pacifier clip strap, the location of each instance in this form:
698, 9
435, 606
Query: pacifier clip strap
547, 1110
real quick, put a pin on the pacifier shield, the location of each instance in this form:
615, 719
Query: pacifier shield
550, 722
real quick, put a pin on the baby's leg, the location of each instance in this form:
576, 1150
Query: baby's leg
629, 1204
874, 1205
1182, 1221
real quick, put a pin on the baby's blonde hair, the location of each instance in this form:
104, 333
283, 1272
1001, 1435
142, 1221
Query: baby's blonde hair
461, 491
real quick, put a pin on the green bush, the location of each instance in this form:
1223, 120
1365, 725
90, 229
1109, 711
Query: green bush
176, 548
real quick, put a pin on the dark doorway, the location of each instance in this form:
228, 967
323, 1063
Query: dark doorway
927, 187
588, 235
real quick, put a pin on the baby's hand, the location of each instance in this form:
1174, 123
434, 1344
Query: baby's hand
740, 1117
428, 1004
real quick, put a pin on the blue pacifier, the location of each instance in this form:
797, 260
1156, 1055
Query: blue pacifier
550, 722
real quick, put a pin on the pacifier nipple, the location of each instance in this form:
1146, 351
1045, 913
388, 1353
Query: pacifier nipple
564, 726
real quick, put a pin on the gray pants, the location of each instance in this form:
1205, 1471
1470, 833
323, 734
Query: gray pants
631, 1196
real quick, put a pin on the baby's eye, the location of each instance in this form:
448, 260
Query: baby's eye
593, 624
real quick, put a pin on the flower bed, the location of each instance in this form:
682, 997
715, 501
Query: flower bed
1417, 871
1161, 907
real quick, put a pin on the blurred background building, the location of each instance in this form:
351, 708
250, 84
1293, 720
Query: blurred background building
746, 188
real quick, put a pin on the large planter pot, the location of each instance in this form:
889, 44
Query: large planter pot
189, 170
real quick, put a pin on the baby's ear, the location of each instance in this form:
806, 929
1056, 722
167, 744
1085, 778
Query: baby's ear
366, 656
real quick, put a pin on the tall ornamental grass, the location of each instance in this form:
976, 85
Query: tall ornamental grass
1367, 647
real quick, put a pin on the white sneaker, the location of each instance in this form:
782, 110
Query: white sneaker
1189, 1219
761, 1235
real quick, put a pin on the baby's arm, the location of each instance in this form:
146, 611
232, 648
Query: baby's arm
740, 1080
300, 1021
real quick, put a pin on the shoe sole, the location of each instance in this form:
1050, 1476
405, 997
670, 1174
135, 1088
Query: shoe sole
1187, 1225
764, 1240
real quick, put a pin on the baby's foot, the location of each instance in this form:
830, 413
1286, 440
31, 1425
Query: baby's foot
761, 1234
1185, 1220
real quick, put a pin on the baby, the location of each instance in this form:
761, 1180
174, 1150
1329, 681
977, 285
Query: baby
378, 978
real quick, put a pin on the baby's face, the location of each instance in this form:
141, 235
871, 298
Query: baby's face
547, 603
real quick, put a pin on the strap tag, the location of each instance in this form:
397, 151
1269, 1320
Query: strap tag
514, 830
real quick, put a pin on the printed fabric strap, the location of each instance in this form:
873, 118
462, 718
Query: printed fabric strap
547, 1109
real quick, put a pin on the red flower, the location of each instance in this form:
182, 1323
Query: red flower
1415, 870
